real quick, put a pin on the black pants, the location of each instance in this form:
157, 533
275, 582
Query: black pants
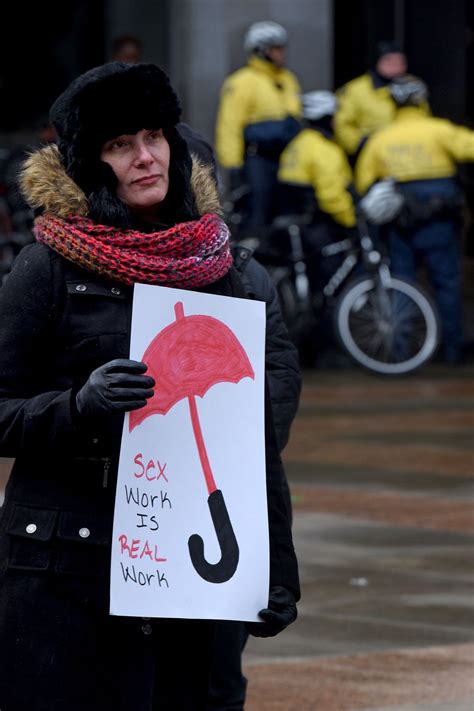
261, 177
60, 650
228, 686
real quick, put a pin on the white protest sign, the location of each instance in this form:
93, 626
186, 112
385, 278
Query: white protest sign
190, 535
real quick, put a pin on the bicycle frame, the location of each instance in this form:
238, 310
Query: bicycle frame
363, 307
364, 250
356, 250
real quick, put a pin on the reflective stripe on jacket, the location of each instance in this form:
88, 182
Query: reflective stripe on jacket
414, 147
313, 160
257, 92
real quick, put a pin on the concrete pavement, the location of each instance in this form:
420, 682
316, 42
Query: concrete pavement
381, 473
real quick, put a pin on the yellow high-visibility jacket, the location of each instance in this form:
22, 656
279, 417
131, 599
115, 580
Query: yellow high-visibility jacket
362, 109
260, 91
313, 160
413, 147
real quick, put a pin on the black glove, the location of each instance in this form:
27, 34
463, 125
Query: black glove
117, 386
280, 613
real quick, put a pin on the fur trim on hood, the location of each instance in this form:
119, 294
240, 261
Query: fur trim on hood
46, 186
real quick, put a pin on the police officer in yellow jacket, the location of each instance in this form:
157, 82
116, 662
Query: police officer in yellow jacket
258, 114
315, 180
420, 152
314, 173
365, 103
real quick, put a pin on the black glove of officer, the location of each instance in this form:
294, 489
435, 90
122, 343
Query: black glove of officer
280, 613
117, 386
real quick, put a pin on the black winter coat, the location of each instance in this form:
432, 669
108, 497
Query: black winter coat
281, 356
58, 323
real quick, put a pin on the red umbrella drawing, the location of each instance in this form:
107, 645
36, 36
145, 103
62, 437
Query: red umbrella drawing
186, 359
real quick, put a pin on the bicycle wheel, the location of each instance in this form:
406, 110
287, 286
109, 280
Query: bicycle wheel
390, 329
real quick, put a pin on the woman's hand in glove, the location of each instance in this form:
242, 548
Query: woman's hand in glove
280, 613
117, 386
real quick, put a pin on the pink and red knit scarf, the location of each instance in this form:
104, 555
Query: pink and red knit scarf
188, 255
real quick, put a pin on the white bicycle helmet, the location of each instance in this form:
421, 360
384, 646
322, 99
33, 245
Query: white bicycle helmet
408, 90
263, 35
382, 203
317, 104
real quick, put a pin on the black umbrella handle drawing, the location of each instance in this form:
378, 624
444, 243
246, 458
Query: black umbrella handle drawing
226, 566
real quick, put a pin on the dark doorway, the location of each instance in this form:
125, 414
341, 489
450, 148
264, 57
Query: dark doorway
433, 34
44, 46
358, 26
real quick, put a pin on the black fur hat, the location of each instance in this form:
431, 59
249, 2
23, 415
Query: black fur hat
387, 47
108, 101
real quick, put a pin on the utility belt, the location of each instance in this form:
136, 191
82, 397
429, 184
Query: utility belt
267, 139
438, 207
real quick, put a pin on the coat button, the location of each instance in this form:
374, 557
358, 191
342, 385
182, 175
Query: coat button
147, 629
115, 290
84, 532
31, 528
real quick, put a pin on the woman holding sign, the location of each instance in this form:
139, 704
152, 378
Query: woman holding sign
118, 201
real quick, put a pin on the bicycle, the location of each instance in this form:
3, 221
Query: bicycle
385, 323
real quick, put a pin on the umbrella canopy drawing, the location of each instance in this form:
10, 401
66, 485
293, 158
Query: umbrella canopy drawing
186, 359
